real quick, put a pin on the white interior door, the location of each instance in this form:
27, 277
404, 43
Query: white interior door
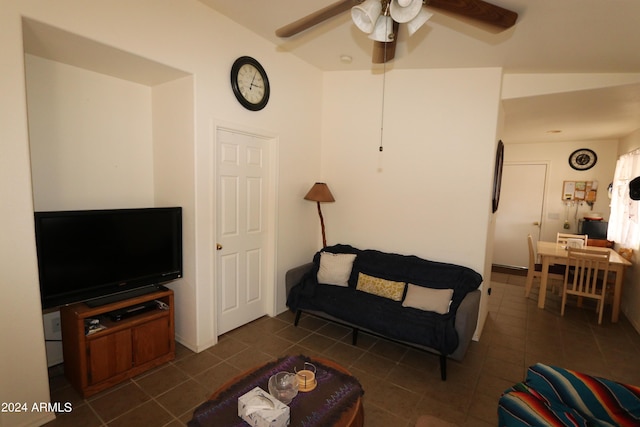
519, 212
242, 231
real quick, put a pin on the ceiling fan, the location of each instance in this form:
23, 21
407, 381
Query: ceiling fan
381, 18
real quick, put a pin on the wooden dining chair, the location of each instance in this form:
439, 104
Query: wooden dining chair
563, 238
584, 275
534, 270
626, 253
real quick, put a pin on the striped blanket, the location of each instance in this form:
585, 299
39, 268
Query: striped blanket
552, 396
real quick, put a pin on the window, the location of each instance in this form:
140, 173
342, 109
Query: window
624, 222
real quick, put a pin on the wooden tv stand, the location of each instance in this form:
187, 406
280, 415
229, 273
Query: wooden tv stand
124, 349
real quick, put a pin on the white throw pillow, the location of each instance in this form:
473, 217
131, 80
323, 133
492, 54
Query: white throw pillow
335, 269
428, 299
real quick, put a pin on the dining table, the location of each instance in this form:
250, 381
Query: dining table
552, 253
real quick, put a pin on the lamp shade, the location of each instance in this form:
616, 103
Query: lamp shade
402, 12
417, 22
320, 193
383, 31
365, 15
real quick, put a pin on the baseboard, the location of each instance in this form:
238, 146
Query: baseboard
509, 269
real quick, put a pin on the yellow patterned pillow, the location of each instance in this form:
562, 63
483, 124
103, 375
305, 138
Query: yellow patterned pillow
381, 287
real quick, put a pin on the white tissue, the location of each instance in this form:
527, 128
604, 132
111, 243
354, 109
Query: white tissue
259, 403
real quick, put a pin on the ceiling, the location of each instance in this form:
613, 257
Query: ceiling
550, 36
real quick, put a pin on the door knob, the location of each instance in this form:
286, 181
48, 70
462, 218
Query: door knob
536, 224
218, 246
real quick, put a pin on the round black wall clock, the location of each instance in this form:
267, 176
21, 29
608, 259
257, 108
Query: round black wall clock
583, 159
250, 83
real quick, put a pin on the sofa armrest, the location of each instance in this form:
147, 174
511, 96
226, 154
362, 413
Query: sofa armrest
466, 322
294, 276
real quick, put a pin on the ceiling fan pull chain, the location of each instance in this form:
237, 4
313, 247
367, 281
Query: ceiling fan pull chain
384, 75
384, 81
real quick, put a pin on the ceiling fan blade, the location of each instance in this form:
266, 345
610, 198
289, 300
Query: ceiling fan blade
316, 17
477, 9
385, 50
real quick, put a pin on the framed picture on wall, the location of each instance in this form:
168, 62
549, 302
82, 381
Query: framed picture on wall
497, 175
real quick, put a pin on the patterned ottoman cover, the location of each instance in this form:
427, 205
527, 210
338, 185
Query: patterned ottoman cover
552, 396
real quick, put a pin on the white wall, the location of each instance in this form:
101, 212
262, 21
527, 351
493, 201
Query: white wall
183, 35
90, 144
556, 154
436, 168
102, 142
23, 367
174, 185
90, 138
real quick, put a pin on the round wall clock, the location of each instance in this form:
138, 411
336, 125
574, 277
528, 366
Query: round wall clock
250, 83
583, 159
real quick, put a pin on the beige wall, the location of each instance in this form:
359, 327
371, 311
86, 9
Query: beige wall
293, 116
436, 167
23, 371
440, 136
90, 138
556, 155
90, 142
521, 85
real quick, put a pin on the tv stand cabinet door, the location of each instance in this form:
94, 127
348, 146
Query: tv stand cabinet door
108, 356
151, 340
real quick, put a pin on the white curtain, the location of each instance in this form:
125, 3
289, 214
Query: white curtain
624, 221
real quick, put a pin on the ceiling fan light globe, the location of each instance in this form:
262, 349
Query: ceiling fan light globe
417, 22
383, 30
365, 15
403, 14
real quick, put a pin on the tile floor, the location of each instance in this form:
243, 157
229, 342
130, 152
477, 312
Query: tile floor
400, 384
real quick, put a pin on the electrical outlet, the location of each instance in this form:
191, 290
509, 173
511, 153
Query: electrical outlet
55, 324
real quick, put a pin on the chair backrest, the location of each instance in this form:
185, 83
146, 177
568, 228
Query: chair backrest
585, 269
565, 238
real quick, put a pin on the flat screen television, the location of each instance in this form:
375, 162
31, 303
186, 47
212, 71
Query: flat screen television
100, 256
595, 229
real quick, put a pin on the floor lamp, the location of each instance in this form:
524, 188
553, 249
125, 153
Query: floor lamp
320, 193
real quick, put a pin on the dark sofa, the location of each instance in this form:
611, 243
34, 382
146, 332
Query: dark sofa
447, 334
